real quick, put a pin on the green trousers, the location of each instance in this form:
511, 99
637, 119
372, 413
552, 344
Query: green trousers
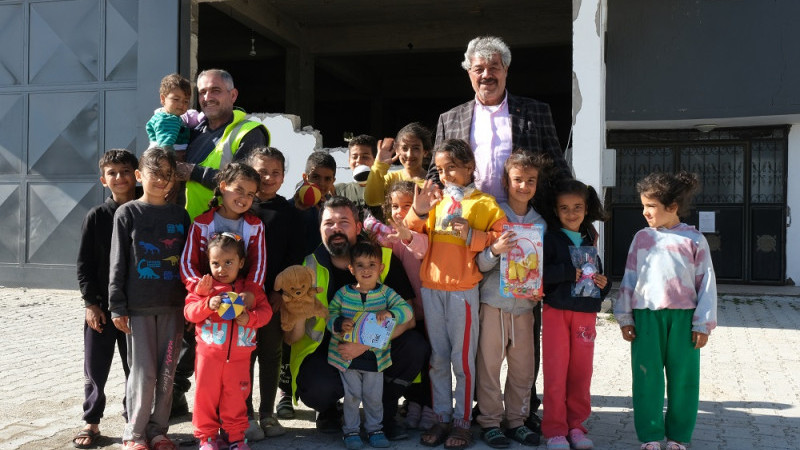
664, 343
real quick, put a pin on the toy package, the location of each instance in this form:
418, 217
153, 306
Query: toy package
368, 331
452, 197
521, 267
585, 258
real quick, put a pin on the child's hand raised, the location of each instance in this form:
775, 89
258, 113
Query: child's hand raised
600, 280
386, 153
700, 340
504, 243
203, 286
628, 333
426, 197
347, 325
214, 302
401, 231
382, 315
243, 318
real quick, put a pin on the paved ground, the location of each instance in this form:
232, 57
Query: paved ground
749, 398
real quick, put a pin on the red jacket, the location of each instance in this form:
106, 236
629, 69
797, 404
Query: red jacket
194, 260
225, 339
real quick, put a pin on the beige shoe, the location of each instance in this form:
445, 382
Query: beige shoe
272, 427
254, 432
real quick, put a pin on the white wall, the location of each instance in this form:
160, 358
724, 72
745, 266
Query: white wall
588, 93
793, 201
296, 144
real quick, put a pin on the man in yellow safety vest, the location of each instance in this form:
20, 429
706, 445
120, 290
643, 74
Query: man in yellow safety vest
318, 383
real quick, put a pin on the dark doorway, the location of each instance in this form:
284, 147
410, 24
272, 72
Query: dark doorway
378, 92
743, 188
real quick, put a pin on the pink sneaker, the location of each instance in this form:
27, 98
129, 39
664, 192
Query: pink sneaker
557, 443
241, 445
210, 444
579, 441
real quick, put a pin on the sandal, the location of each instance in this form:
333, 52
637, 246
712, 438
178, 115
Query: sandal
652, 445
524, 436
494, 437
459, 434
435, 435
88, 436
162, 442
674, 445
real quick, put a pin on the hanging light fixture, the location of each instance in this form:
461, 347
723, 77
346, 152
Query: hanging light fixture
252, 44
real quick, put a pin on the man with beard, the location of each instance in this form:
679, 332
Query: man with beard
314, 381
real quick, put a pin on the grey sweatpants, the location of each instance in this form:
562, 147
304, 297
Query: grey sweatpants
365, 387
153, 348
451, 319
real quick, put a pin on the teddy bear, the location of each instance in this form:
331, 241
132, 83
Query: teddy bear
296, 284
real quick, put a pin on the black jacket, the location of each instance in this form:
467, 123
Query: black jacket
284, 231
93, 254
559, 273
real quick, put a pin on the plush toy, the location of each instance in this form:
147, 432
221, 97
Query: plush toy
296, 284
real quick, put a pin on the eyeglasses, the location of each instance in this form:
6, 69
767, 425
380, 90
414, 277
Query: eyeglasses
227, 234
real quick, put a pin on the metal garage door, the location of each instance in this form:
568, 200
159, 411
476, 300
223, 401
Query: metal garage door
76, 77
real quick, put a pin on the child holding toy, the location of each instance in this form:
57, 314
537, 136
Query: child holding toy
146, 298
410, 247
320, 173
568, 319
410, 147
667, 307
459, 226
362, 377
506, 323
237, 185
223, 344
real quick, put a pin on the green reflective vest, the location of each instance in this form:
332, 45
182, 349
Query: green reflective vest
315, 326
197, 195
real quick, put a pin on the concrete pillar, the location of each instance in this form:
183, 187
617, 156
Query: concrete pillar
300, 84
588, 93
793, 202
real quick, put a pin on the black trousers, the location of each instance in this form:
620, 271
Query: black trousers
268, 352
98, 351
185, 367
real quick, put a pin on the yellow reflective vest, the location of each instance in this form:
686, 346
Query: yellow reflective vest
315, 326
197, 195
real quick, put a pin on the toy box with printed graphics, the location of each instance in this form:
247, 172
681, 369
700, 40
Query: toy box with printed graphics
521, 267
368, 331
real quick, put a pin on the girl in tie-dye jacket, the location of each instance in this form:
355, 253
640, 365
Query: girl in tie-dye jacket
667, 307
